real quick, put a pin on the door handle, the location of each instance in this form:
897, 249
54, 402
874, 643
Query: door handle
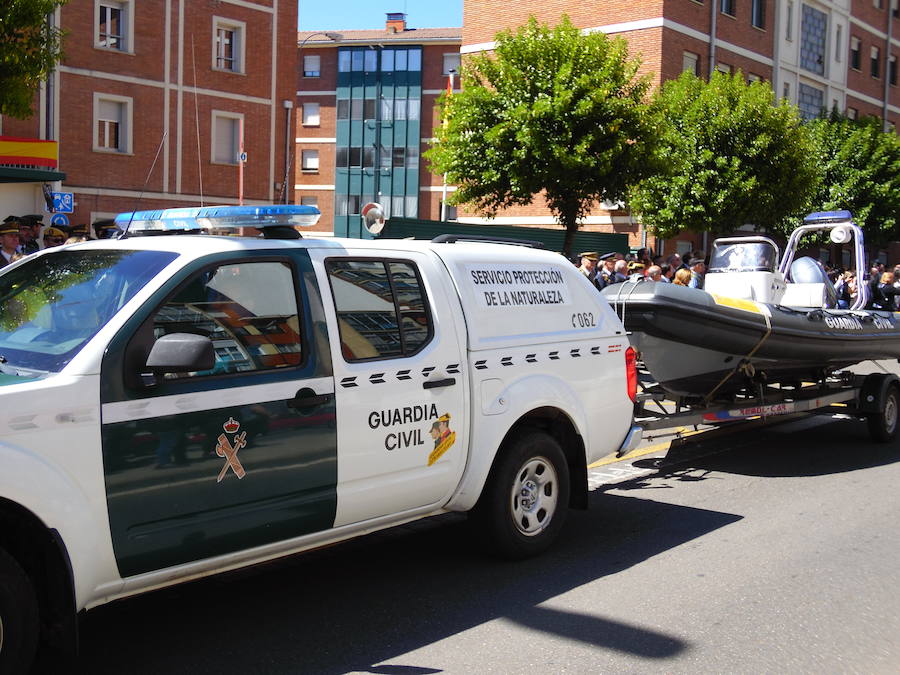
307, 398
434, 384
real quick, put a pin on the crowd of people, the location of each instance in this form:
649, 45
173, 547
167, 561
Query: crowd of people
23, 235
615, 268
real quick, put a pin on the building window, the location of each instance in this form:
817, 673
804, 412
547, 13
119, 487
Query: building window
309, 161
112, 123
311, 65
394, 60
878, 4
811, 101
309, 201
875, 62
228, 45
753, 77
226, 137
727, 7
310, 114
852, 113
786, 91
813, 38
724, 68
892, 70
838, 42
114, 25
789, 22
690, 62
895, 8
855, 53
451, 62
758, 13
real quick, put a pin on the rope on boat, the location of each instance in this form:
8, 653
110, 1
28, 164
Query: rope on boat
744, 367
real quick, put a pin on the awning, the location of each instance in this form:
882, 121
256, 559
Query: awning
10, 174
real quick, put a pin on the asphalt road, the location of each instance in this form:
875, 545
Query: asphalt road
776, 553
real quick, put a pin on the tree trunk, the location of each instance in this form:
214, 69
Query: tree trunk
570, 222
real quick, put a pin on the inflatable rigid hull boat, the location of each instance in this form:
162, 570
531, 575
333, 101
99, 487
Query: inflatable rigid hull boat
757, 322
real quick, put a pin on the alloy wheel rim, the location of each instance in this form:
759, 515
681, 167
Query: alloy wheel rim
890, 413
534, 496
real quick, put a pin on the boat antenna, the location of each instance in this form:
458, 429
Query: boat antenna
149, 173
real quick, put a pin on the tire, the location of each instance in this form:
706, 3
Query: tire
883, 425
524, 503
19, 627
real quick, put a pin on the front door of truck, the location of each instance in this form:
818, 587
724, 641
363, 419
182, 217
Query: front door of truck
202, 464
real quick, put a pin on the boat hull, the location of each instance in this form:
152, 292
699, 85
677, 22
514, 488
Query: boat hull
693, 342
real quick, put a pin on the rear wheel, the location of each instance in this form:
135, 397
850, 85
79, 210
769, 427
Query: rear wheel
884, 424
18, 617
524, 503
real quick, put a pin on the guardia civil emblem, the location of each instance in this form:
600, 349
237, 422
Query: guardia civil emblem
228, 449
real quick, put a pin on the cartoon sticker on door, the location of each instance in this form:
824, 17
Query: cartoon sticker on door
442, 436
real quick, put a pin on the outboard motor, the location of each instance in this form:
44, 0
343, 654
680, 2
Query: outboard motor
746, 268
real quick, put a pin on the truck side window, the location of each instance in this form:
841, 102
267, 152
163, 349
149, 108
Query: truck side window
381, 308
249, 310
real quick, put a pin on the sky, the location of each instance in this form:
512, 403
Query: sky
370, 14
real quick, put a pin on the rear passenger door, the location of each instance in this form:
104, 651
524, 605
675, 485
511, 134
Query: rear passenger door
399, 383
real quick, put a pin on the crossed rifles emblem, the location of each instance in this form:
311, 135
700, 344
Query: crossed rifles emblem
225, 449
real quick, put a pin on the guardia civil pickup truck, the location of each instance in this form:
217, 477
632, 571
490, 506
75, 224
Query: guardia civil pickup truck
181, 401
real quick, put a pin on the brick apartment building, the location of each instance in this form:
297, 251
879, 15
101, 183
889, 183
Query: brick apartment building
816, 53
174, 81
366, 113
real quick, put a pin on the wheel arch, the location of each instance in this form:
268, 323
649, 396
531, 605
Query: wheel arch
550, 419
41, 553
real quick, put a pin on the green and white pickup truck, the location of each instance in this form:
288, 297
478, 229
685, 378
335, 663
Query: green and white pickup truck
176, 405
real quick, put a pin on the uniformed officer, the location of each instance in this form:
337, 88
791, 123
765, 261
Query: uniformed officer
9, 241
30, 233
607, 269
589, 264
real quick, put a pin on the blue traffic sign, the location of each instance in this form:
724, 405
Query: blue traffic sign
59, 220
63, 202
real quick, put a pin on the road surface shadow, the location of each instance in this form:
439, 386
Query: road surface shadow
360, 606
802, 448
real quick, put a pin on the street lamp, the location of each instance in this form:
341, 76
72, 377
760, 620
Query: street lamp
334, 37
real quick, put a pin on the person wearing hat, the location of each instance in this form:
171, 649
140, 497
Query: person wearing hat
698, 269
588, 265
607, 269
53, 236
9, 241
30, 233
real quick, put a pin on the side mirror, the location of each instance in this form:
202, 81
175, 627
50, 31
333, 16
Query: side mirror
181, 353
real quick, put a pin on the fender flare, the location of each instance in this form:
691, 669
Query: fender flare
488, 433
62, 507
873, 391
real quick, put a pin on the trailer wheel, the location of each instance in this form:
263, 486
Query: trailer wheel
883, 425
18, 617
524, 504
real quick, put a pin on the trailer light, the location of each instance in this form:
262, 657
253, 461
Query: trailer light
631, 372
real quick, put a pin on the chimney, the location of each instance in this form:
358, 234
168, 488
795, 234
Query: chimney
396, 22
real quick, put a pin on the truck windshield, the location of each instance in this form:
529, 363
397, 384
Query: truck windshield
51, 305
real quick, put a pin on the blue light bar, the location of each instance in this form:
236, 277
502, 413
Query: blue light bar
218, 218
828, 217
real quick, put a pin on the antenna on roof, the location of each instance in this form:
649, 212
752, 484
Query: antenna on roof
149, 173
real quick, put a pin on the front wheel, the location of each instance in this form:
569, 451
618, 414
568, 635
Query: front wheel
883, 425
524, 503
18, 617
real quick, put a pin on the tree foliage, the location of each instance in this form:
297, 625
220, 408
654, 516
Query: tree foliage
551, 111
859, 165
732, 158
29, 50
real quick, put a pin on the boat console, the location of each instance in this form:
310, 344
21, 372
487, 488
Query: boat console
749, 268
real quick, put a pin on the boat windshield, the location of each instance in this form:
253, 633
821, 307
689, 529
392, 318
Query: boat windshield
52, 304
744, 256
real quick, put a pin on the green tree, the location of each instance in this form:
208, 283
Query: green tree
732, 157
29, 49
859, 165
551, 111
